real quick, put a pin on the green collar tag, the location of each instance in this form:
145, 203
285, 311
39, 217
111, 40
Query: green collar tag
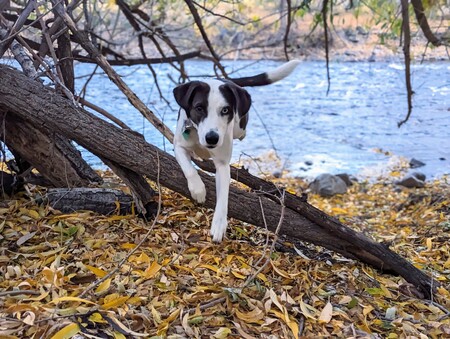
187, 126
186, 134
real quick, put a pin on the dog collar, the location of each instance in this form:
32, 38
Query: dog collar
187, 126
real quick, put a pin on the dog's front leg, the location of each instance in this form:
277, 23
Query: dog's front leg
220, 222
195, 183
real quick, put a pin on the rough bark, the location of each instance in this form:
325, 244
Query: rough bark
301, 221
100, 200
48, 152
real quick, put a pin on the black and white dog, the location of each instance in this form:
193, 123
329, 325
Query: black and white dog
213, 113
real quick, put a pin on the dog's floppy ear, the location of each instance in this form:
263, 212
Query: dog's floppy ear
185, 93
239, 99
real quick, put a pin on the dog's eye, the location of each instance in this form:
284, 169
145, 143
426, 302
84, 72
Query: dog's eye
199, 109
226, 110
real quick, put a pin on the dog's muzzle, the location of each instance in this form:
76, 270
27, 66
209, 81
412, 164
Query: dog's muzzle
211, 138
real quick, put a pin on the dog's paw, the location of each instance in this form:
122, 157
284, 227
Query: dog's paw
218, 227
197, 189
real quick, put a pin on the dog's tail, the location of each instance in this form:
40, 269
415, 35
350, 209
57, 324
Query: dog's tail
269, 77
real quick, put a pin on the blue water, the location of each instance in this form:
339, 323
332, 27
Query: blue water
333, 133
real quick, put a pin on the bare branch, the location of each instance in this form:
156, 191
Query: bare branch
4, 45
141, 61
112, 74
288, 28
325, 32
198, 22
406, 53
219, 15
423, 22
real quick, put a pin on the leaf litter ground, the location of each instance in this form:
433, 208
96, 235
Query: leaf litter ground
178, 284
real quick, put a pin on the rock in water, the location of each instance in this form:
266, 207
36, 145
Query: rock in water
328, 185
413, 180
414, 163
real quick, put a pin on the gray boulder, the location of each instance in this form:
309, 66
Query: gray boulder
328, 185
348, 179
413, 180
414, 163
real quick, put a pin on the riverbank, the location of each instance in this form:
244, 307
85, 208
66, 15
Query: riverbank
353, 35
178, 283
351, 39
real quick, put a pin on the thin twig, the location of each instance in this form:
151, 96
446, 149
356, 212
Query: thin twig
207, 305
131, 252
325, 33
198, 22
102, 112
266, 245
207, 10
18, 292
272, 247
406, 52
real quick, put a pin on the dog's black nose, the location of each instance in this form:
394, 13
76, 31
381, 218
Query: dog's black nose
212, 138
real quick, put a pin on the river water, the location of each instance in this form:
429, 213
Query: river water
311, 131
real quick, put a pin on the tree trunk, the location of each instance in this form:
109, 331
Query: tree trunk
50, 154
41, 106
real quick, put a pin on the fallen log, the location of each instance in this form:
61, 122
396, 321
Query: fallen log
41, 106
104, 201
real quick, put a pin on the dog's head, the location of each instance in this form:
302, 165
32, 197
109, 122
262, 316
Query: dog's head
213, 105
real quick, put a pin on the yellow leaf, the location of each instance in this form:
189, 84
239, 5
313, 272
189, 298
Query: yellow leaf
367, 310
262, 277
291, 323
103, 286
35, 215
326, 314
238, 275
39, 298
117, 217
443, 291
164, 325
128, 246
429, 244
97, 318
283, 273
142, 258
125, 329
97, 271
307, 310
67, 332
115, 302
58, 300
151, 271
254, 316
134, 301
156, 315
222, 333
210, 267
337, 210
